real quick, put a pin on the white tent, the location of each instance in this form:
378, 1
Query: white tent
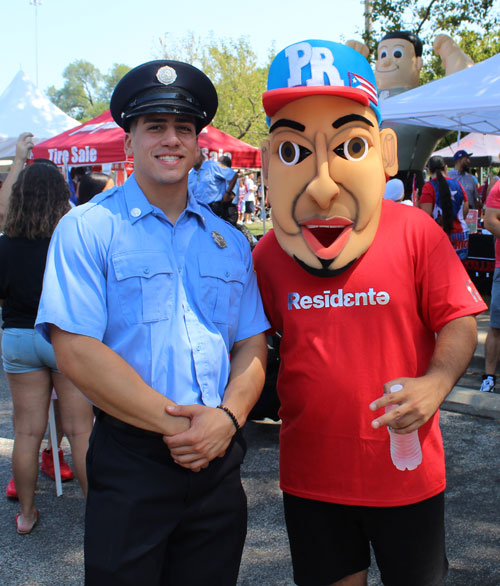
468, 100
23, 108
485, 146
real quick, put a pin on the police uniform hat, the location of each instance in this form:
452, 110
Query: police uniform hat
165, 86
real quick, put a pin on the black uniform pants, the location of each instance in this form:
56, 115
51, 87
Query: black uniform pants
151, 522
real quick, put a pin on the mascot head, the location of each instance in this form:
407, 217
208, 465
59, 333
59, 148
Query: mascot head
326, 161
399, 61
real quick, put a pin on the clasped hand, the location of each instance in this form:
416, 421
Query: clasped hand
208, 436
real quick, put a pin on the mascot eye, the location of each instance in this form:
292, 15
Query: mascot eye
383, 54
398, 53
291, 153
353, 149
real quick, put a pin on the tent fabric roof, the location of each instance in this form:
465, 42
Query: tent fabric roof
23, 108
100, 140
214, 143
480, 145
96, 141
468, 100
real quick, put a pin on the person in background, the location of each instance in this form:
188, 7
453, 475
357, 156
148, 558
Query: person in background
195, 173
23, 151
394, 190
215, 182
460, 172
492, 343
445, 200
251, 190
75, 175
91, 184
229, 209
39, 199
242, 193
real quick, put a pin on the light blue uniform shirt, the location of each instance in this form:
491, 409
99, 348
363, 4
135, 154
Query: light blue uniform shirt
167, 298
194, 180
210, 182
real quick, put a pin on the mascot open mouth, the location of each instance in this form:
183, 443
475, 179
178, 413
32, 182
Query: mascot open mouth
326, 238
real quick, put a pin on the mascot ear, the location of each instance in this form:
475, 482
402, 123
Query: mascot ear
389, 143
264, 155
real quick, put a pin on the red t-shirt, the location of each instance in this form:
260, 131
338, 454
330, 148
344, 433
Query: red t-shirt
343, 338
493, 201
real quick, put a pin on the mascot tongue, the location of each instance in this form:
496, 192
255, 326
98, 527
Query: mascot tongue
326, 238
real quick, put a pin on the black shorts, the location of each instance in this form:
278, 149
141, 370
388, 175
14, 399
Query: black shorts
329, 542
249, 207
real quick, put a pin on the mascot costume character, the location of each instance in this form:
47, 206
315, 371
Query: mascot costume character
358, 288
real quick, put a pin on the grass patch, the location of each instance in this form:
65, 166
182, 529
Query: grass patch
257, 229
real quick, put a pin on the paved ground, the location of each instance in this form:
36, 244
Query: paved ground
52, 554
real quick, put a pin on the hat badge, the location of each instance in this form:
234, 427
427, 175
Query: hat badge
166, 75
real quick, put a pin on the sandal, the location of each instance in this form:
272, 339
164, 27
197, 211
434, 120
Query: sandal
26, 531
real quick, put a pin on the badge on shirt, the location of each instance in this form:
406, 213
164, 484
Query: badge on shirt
219, 239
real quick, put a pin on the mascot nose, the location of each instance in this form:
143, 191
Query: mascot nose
322, 188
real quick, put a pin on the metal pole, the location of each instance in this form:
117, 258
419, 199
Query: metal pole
368, 17
36, 3
262, 203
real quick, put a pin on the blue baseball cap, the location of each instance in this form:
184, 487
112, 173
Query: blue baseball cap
316, 67
460, 154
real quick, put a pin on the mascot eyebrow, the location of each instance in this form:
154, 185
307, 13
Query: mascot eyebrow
284, 122
288, 124
351, 118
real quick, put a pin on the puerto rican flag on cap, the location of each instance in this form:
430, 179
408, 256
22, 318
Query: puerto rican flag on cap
360, 83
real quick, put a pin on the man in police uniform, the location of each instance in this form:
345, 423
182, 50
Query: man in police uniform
146, 292
212, 183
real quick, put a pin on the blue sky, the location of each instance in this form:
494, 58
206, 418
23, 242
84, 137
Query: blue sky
127, 31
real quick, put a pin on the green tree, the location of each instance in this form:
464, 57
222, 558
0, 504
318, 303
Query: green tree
110, 80
80, 94
232, 66
86, 91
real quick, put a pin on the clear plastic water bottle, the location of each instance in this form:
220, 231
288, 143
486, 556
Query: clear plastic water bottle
405, 449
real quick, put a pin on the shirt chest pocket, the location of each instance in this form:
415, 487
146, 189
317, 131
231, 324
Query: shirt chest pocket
222, 280
145, 285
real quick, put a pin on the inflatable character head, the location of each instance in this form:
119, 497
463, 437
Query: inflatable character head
399, 61
326, 160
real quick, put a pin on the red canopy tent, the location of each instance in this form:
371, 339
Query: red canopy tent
100, 141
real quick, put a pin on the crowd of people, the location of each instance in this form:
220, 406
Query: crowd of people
144, 308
